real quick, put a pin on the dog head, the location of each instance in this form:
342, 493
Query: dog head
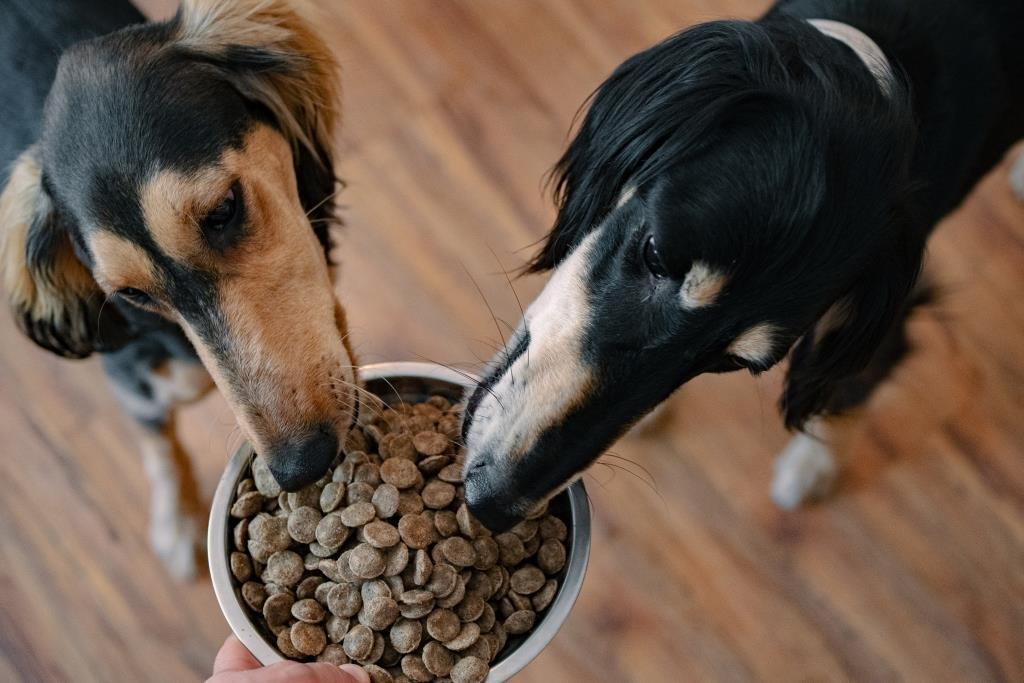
728, 194
185, 172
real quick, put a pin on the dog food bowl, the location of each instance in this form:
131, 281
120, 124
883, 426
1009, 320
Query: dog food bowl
410, 382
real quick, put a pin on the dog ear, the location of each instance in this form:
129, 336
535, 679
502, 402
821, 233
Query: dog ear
273, 58
54, 297
862, 329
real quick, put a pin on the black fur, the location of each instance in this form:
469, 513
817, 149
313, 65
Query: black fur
768, 151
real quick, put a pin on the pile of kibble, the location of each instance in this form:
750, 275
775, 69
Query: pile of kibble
381, 563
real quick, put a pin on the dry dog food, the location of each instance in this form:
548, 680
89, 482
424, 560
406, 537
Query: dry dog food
381, 563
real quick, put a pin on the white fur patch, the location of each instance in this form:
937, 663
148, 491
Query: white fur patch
805, 470
755, 344
546, 380
626, 195
174, 533
701, 286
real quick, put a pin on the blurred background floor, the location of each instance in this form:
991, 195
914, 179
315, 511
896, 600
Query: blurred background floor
454, 110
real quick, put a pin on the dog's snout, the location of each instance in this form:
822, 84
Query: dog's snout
486, 497
299, 462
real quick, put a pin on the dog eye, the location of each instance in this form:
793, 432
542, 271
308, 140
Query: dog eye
136, 296
223, 213
652, 259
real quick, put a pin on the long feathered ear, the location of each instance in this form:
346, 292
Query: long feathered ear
273, 58
54, 298
858, 329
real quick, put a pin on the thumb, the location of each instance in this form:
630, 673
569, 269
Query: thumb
320, 672
234, 657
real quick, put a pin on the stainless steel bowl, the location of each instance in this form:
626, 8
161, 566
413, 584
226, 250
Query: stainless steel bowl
408, 382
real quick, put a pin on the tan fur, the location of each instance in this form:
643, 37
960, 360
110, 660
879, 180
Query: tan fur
42, 296
305, 98
291, 362
118, 262
701, 286
755, 344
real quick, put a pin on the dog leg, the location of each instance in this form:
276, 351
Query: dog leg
1017, 176
149, 383
805, 470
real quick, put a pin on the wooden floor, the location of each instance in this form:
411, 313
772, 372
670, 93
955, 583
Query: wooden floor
454, 110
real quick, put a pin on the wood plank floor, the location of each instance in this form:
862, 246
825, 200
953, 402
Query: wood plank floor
454, 110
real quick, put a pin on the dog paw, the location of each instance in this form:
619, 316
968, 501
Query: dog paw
1017, 177
805, 470
178, 541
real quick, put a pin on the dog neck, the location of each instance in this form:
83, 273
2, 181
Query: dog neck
865, 48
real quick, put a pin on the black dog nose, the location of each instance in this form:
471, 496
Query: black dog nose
300, 462
484, 499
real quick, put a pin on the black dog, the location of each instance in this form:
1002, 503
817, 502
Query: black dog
172, 204
741, 192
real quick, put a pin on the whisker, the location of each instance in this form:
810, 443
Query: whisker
325, 200
490, 310
508, 279
634, 462
475, 382
639, 478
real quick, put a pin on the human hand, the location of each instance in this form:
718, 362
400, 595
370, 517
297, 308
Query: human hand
235, 664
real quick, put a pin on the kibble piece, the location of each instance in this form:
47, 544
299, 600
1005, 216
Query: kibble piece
471, 607
358, 492
358, 642
332, 531
309, 639
451, 473
532, 545
336, 628
378, 674
458, 551
248, 504
445, 523
307, 587
527, 580
433, 464
379, 613
309, 611
381, 534
520, 602
510, 549
274, 589
409, 503
443, 625
284, 644
331, 496
520, 621
366, 562
430, 443
456, 596
241, 566
372, 589
358, 514
264, 480
397, 445
468, 524
284, 568
401, 473
282, 502
245, 486
479, 584
385, 500
443, 580
308, 496
486, 619
311, 561
368, 472
437, 494
542, 598
271, 533
376, 651
277, 609
333, 654
423, 566
254, 594
468, 634
396, 559
470, 670
487, 552
320, 551
553, 527
302, 524
396, 584
438, 659
413, 667
405, 635
416, 531
344, 600
240, 534
551, 556
323, 590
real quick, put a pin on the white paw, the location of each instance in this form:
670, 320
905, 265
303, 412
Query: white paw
1017, 177
805, 470
178, 542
